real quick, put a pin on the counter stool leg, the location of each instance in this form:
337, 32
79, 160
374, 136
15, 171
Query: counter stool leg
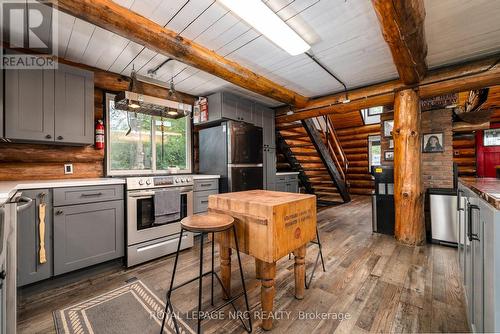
213, 272
200, 282
248, 329
168, 304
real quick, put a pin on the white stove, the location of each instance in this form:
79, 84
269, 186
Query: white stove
147, 239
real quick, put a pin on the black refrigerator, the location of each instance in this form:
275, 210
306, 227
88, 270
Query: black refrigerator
232, 150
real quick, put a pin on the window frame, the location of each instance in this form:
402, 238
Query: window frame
153, 170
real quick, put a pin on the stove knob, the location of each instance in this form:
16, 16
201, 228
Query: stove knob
177, 180
183, 180
141, 182
148, 182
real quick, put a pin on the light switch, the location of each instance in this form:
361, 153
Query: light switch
68, 168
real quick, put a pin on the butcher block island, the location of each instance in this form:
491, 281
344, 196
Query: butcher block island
269, 225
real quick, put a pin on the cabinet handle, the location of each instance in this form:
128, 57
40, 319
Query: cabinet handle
59, 212
91, 194
204, 201
48, 136
459, 197
472, 236
60, 137
205, 184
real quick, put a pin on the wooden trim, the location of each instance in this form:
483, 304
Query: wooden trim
402, 25
137, 28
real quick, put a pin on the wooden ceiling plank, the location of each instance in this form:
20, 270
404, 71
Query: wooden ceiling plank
122, 21
402, 25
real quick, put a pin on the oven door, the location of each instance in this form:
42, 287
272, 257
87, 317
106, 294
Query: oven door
141, 216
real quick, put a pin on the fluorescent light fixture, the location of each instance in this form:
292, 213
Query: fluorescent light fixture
264, 20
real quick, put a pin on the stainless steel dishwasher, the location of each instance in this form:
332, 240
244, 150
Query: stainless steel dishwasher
443, 210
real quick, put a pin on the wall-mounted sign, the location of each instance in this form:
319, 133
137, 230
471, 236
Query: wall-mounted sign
439, 102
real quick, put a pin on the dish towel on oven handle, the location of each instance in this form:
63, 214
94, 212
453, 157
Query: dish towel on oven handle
167, 206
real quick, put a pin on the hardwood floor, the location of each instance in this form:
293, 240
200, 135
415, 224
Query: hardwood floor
374, 283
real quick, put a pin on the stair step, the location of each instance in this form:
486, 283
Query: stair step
286, 126
306, 154
301, 145
333, 188
325, 193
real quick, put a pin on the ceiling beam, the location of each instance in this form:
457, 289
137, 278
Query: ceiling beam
402, 24
135, 27
453, 79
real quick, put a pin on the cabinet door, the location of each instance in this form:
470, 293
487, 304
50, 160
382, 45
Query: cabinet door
281, 186
293, 187
269, 166
468, 264
29, 105
230, 106
245, 110
491, 256
258, 114
74, 105
87, 234
214, 107
269, 129
29, 268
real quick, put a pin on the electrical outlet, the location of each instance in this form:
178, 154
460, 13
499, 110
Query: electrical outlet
68, 168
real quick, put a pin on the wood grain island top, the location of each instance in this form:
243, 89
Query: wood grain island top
487, 188
264, 197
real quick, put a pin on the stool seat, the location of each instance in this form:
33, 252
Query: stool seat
207, 222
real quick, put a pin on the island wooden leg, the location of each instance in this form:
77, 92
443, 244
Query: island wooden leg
300, 272
258, 268
225, 263
268, 274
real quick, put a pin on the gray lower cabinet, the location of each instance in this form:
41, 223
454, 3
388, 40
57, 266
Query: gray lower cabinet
87, 234
29, 105
49, 105
29, 267
202, 189
479, 256
269, 129
287, 183
74, 105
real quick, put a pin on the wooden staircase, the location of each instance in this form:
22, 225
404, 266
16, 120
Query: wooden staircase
318, 157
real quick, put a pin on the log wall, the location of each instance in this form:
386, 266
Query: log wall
354, 141
464, 153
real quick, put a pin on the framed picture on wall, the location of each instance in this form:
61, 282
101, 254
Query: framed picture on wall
388, 126
389, 155
433, 143
491, 137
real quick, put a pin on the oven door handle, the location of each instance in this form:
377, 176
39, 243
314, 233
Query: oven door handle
142, 195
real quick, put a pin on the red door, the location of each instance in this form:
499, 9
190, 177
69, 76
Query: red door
487, 156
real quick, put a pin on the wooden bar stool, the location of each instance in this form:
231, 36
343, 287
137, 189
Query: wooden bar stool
208, 223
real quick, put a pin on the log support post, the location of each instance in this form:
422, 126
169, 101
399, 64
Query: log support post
408, 192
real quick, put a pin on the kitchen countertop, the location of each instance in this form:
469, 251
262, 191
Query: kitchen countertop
9, 188
287, 173
487, 188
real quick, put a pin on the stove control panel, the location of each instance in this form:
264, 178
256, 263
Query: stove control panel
159, 181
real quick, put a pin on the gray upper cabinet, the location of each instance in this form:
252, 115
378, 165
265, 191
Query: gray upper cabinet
224, 105
29, 105
87, 234
29, 267
74, 105
50, 106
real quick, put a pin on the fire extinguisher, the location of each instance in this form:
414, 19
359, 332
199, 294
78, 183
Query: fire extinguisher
99, 135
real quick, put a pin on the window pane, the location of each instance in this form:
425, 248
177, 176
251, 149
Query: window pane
130, 151
171, 141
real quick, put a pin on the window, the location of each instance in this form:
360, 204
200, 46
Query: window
142, 144
372, 115
491, 137
374, 151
